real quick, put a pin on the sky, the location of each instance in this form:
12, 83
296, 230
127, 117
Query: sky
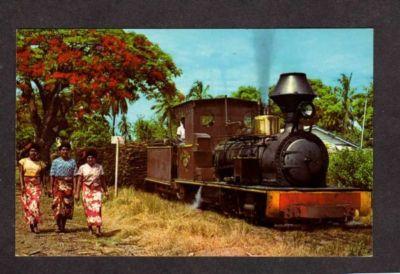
225, 59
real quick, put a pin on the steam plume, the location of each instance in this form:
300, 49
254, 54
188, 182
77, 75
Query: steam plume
197, 199
263, 47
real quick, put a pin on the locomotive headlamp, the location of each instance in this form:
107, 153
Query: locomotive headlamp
306, 109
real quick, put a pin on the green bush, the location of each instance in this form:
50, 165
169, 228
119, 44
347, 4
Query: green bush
351, 168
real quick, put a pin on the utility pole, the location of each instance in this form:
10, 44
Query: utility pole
117, 140
116, 169
363, 124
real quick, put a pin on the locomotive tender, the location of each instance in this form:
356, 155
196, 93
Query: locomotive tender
243, 163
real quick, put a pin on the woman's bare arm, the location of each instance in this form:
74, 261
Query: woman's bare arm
21, 177
78, 188
104, 185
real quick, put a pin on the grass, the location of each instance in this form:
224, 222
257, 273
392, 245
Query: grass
160, 227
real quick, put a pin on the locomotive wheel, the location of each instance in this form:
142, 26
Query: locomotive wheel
181, 193
229, 205
159, 191
148, 186
267, 222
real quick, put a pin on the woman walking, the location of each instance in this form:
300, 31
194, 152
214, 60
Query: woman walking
91, 178
62, 174
31, 174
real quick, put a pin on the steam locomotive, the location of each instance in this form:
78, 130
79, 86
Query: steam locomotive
239, 159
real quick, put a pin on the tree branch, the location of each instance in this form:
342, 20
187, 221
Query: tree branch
42, 94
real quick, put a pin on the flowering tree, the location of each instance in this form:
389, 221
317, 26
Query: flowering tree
63, 74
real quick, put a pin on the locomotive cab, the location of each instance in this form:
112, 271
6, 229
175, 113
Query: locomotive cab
209, 122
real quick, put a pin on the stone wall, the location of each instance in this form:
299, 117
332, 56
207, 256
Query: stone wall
132, 162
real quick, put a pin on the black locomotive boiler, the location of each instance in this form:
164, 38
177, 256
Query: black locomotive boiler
292, 158
245, 163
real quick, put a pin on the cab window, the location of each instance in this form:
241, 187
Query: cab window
207, 120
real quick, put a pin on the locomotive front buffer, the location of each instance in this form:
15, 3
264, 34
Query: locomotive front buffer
342, 206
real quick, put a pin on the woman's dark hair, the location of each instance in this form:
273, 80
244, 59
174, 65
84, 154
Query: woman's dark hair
34, 146
91, 152
64, 144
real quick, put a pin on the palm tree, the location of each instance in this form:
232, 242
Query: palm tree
124, 127
198, 91
144, 131
346, 93
113, 107
163, 108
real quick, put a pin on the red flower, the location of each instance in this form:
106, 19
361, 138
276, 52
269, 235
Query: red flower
102, 79
63, 58
22, 86
74, 78
94, 85
95, 104
54, 42
49, 87
128, 95
169, 89
157, 75
141, 41
132, 60
68, 56
112, 83
37, 69
80, 113
59, 75
23, 55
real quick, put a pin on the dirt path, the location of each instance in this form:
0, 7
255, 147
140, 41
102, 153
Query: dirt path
76, 241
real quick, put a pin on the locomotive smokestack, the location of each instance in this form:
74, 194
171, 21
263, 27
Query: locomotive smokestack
291, 90
294, 95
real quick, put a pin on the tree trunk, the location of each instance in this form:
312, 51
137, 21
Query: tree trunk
113, 125
46, 140
345, 118
46, 152
46, 127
